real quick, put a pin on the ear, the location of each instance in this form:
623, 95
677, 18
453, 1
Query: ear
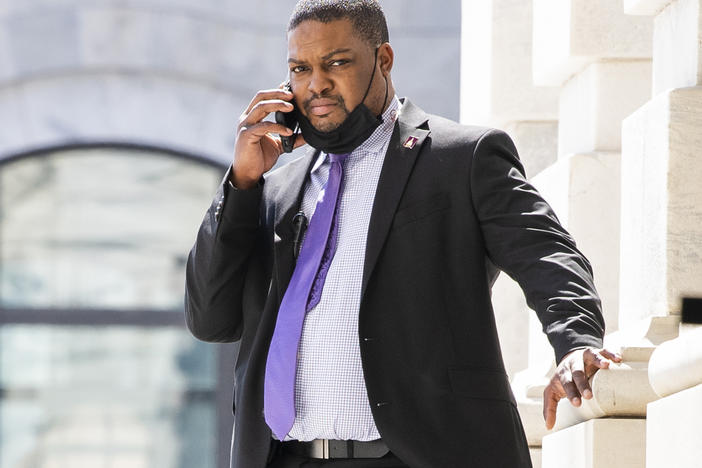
386, 57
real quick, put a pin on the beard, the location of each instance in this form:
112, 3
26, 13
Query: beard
324, 125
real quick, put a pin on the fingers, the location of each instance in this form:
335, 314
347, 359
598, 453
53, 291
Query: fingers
261, 129
552, 395
571, 374
599, 359
267, 95
611, 355
582, 385
571, 390
550, 405
571, 379
261, 109
256, 150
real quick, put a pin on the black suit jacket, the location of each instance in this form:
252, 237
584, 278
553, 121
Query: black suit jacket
447, 215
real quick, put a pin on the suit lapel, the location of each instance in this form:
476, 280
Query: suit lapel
288, 202
405, 144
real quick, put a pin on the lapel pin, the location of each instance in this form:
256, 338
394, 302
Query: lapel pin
411, 141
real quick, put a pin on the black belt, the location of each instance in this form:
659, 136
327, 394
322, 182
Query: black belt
330, 448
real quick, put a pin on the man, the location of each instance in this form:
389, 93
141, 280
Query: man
368, 339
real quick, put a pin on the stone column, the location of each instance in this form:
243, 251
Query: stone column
497, 91
674, 422
661, 170
598, 443
496, 85
661, 235
673, 430
600, 58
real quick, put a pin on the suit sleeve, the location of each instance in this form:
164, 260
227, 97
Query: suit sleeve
525, 240
218, 262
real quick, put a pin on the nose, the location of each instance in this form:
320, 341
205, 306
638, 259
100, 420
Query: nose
319, 83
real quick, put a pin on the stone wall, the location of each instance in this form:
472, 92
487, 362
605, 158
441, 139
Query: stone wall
177, 73
624, 179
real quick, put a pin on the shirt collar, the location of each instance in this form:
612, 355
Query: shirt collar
372, 143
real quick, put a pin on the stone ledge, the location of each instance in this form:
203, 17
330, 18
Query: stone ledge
673, 430
644, 334
600, 443
623, 390
677, 364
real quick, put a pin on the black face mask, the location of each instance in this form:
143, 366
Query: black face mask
353, 131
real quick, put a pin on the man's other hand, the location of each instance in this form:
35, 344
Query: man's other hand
571, 379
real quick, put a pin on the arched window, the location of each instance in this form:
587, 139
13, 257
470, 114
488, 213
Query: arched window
96, 366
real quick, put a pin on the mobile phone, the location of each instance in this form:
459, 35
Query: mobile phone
289, 120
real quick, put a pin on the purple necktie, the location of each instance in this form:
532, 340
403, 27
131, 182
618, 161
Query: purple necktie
303, 293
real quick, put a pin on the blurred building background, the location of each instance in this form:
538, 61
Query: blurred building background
117, 122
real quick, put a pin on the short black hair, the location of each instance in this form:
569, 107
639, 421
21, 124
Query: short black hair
366, 16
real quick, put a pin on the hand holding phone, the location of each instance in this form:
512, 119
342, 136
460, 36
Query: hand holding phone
257, 147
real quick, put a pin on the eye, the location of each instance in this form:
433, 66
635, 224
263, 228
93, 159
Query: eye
298, 69
338, 62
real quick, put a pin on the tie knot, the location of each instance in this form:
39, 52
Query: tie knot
338, 157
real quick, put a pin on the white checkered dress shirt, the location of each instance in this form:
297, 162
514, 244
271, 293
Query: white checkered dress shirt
330, 392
